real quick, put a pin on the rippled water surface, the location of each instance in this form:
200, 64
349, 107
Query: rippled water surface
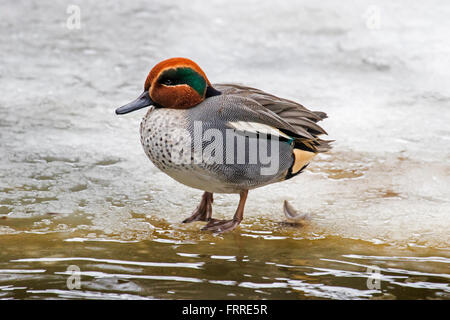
76, 188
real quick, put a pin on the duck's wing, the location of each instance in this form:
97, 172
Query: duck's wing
290, 113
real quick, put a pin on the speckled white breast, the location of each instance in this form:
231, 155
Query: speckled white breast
162, 133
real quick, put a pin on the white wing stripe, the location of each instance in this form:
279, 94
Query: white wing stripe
256, 127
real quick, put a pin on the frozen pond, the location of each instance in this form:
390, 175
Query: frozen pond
77, 189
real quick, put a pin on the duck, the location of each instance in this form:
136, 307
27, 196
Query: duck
222, 138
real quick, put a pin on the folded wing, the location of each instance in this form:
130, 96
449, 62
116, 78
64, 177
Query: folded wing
288, 116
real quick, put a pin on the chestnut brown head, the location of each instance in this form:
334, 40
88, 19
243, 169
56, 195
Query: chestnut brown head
176, 83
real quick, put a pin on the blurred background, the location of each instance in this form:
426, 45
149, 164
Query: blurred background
77, 189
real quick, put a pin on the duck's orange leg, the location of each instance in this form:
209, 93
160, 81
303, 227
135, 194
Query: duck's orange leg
203, 211
219, 226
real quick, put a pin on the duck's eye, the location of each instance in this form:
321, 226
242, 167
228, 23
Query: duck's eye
168, 82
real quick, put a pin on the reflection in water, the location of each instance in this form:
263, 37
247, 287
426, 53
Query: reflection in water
77, 189
285, 265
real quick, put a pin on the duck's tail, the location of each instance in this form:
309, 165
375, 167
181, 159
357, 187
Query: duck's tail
301, 161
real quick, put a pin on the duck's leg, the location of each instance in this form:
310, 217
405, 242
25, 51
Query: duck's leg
219, 226
203, 211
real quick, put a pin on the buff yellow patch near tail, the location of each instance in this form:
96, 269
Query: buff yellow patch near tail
302, 157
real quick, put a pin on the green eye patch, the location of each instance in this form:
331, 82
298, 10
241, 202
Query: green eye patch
184, 75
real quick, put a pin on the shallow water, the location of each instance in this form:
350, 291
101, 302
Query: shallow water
77, 189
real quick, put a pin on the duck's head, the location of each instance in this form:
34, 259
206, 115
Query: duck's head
177, 83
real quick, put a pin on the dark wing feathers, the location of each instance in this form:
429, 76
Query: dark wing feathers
320, 114
292, 117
